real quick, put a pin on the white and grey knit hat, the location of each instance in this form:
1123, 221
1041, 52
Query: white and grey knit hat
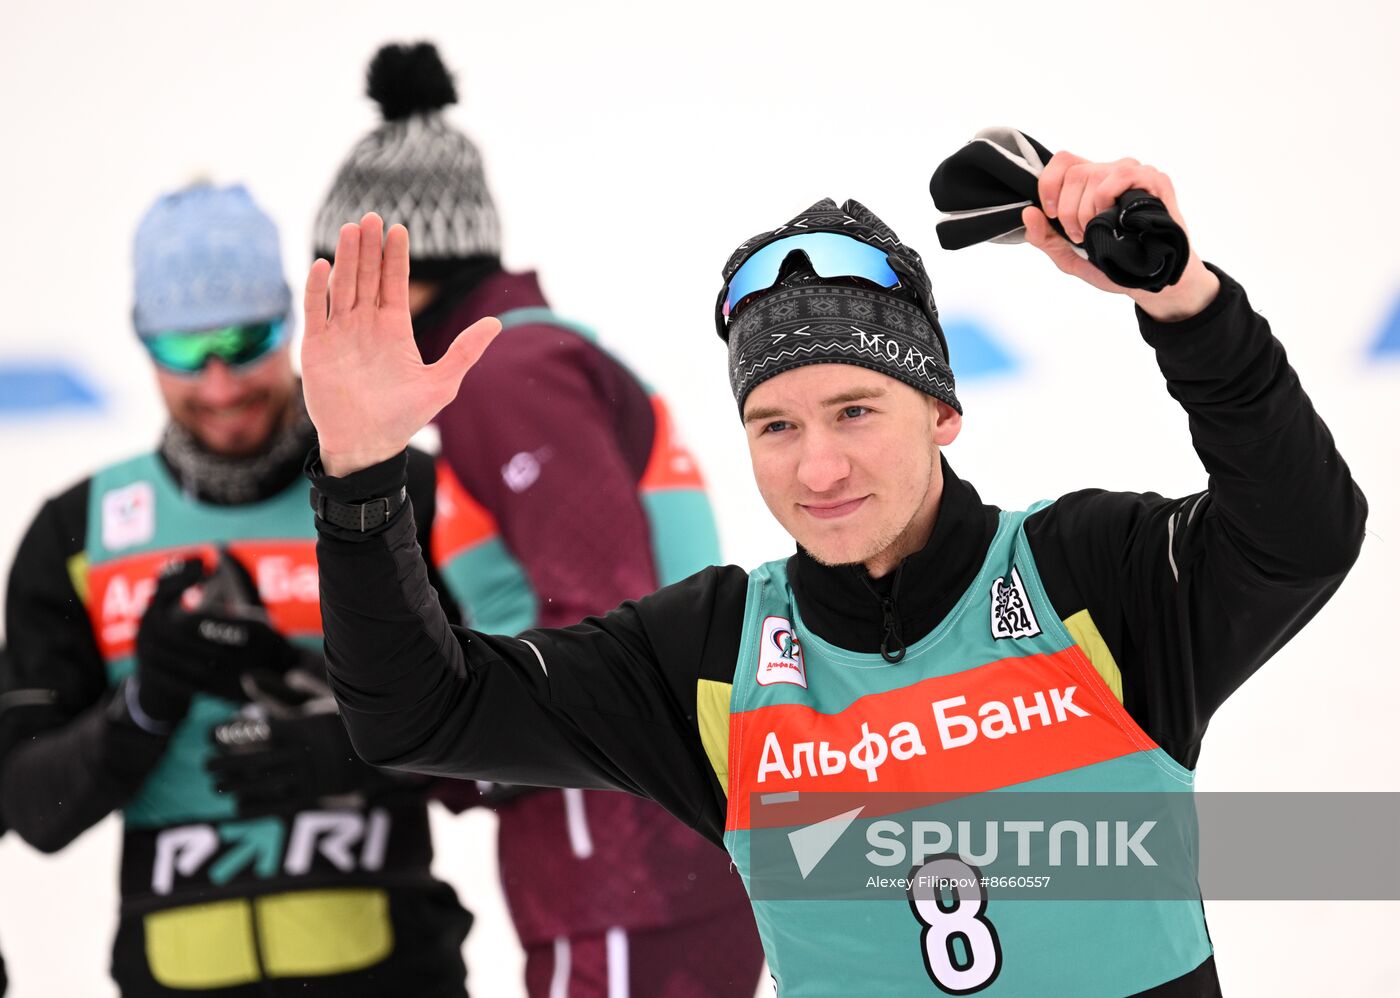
415, 168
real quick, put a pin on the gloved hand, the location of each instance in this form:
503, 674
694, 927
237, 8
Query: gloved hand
269, 763
181, 652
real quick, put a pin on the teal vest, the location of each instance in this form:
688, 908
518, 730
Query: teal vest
831, 755
182, 838
137, 521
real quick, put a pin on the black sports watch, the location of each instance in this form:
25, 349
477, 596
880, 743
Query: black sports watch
357, 516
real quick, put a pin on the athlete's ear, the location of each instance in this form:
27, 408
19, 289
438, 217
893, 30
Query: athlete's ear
944, 420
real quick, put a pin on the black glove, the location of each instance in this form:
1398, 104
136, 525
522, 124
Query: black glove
271, 763
182, 652
984, 186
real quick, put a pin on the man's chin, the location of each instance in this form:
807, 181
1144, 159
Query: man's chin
234, 443
835, 554
245, 436
234, 449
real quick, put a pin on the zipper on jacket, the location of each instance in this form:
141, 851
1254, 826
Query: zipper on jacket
892, 646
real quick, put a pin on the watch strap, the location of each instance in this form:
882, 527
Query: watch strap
363, 516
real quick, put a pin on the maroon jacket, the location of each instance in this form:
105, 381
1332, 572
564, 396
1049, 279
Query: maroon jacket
552, 435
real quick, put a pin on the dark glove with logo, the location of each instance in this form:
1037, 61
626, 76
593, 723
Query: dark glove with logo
271, 763
984, 186
182, 652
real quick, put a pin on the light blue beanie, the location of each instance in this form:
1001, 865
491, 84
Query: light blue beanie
207, 257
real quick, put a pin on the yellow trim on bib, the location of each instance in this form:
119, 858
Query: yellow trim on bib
302, 934
202, 946
1086, 635
77, 574
313, 933
712, 717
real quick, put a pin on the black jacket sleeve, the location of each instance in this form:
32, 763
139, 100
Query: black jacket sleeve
1192, 595
69, 755
608, 703
422, 493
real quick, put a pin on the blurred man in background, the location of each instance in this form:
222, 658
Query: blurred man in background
581, 498
259, 857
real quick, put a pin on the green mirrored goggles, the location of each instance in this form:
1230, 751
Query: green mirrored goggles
236, 346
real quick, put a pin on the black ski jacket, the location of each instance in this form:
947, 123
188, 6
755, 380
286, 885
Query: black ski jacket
1191, 595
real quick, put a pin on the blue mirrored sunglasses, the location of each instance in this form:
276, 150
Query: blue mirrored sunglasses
237, 346
831, 254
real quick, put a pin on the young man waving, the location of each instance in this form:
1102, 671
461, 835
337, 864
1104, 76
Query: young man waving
1115, 622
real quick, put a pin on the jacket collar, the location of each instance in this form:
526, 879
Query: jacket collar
845, 607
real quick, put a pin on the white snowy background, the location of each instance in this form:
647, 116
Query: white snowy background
630, 146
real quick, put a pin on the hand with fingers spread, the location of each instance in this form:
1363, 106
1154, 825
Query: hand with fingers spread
367, 388
1074, 190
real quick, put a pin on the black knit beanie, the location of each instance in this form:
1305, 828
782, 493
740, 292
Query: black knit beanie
895, 332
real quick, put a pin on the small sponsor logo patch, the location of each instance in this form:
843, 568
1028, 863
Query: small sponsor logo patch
128, 516
1012, 616
524, 469
780, 654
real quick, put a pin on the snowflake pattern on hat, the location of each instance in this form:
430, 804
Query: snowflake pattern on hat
424, 174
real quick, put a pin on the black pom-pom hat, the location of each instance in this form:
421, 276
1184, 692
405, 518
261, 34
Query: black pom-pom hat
415, 168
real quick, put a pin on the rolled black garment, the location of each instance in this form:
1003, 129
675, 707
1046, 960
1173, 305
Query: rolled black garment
984, 186
1137, 243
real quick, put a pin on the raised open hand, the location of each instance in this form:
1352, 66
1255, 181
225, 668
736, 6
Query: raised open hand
367, 388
